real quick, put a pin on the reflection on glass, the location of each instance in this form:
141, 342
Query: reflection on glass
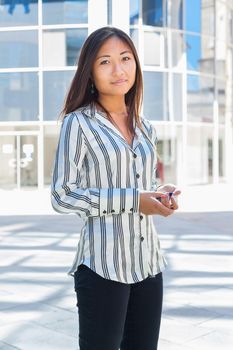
200, 155
168, 147
18, 12
200, 16
154, 48
8, 155
51, 135
175, 14
56, 85
222, 154
109, 12
61, 12
200, 97
134, 11
62, 47
28, 160
223, 58
153, 13
155, 104
230, 24
193, 50
157, 89
176, 96
200, 53
18, 158
177, 51
134, 37
193, 15
224, 98
19, 49
19, 96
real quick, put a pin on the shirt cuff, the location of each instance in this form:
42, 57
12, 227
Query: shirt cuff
119, 200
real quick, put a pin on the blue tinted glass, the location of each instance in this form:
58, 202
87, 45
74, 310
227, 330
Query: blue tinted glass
58, 11
75, 40
19, 49
193, 15
19, 96
155, 95
193, 49
56, 85
175, 14
134, 11
62, 46
200, 53
200, 16
134, 37
200, 97
109, 12
153, 12
18, 12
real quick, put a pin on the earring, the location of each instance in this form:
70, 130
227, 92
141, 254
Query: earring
92, 89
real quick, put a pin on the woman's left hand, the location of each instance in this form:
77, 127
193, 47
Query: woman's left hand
170, 202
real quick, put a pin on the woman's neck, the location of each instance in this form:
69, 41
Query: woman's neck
115, 105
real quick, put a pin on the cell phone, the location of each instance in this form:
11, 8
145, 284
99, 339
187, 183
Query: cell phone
160, 199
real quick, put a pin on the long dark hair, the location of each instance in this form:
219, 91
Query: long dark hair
80, 94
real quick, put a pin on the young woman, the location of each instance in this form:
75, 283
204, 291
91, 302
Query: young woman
104, 172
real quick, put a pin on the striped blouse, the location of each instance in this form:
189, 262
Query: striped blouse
98, 176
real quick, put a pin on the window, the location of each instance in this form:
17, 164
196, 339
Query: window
200, 53
62, 11
175, 17
200, 97
61, 47
155, 104
19, 49
56, 85
18, 13
19, 97
199, 17
153, 13
134, 11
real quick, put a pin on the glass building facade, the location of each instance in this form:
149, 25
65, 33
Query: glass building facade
185, 48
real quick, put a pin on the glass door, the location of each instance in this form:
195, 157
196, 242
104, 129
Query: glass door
8, 161
19, 161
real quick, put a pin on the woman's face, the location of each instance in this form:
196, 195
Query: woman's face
114, 68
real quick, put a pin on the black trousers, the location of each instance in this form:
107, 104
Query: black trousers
114, 315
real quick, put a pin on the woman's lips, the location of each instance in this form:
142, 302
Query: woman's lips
119, 82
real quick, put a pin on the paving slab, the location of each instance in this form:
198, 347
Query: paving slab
212, 340
37, 300
179, 332
28, 336
4, 346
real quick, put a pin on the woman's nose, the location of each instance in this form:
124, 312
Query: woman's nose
117, 69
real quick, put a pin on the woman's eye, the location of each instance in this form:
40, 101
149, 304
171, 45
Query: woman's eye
126, 58
104, 62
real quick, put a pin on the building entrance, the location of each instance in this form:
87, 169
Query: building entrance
18, 159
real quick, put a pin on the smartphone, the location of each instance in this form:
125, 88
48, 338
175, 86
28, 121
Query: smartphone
160, 199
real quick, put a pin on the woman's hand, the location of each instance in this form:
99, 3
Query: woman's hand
149, 205
170, 202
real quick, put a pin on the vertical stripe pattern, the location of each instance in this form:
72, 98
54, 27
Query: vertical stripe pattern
98, 176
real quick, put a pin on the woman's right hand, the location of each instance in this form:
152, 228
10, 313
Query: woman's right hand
149, 205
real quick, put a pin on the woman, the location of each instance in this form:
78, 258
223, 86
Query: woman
104, 172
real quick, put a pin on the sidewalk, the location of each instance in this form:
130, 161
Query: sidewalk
37, 301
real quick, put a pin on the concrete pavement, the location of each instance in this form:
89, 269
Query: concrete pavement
37, 301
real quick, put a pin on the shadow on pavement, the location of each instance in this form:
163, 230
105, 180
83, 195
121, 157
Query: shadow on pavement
37, 251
